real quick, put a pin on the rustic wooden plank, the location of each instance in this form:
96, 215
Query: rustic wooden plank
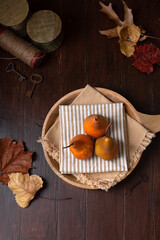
85, 57
155, 187
140, 206
72, 214
104, 216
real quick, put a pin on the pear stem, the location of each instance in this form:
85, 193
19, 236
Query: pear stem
107, 129
68, 145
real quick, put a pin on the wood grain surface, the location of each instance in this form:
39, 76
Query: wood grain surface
85, 57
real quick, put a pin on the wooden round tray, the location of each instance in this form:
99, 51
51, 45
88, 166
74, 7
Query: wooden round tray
68, 99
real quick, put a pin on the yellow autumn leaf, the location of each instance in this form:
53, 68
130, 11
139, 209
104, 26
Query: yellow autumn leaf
130, 32
24, 187
128, 38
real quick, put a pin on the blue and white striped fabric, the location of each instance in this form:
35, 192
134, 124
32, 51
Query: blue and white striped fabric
71, 123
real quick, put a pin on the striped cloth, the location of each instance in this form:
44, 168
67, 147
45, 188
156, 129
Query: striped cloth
71, 123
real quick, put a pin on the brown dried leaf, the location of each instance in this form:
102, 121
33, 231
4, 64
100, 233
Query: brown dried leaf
108, 10
24, 187
110, 33
128, 16
13, 158
111, 13
129, 34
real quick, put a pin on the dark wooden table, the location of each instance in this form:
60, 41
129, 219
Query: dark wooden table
85, 57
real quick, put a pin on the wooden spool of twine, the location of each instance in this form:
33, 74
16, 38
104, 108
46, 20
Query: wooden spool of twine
45, 30
13, 13
20, 48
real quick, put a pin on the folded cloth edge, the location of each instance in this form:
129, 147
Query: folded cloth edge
104, 184
108, 183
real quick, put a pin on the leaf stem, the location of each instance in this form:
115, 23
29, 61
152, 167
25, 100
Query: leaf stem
144, 35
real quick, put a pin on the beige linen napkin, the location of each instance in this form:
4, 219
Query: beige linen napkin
138, 139
71, 119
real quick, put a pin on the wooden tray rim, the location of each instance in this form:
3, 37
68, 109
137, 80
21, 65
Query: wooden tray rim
68, 177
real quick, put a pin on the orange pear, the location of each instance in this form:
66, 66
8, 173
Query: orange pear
106, 147
95, 125
81, 146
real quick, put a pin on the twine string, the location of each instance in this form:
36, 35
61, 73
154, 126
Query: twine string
19, 48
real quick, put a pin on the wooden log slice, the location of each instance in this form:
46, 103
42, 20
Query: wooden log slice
13, 12
45, 30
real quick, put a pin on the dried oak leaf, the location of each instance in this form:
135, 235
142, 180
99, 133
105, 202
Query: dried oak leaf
13, 158
145, 56
128, 33
24, 187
